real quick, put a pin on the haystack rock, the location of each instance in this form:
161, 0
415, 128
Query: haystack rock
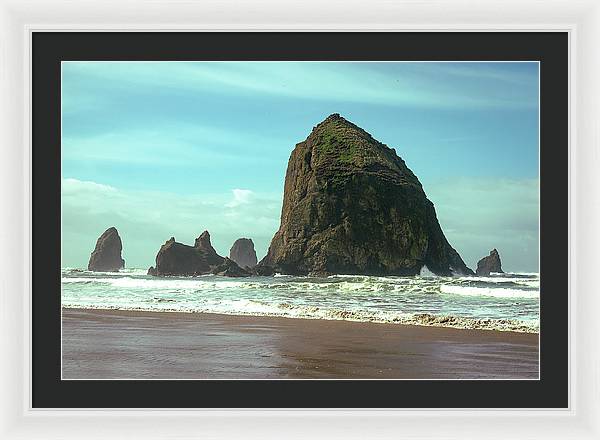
178, 259
489, 264
352, 206
243, 253
106, 257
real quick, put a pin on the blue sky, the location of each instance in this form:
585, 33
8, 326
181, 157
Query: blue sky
169, 148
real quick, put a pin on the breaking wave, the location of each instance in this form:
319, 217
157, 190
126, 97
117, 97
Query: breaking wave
503, 302
487, 291
286, 310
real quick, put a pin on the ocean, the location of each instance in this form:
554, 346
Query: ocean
507, 301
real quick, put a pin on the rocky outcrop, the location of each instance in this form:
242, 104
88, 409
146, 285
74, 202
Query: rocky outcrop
243, 253
229, 268
175, 258
106, 256
263, 270
489, 264
352, 206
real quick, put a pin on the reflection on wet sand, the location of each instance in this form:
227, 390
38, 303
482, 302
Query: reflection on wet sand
120, 344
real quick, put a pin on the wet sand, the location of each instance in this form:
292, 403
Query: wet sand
101, 344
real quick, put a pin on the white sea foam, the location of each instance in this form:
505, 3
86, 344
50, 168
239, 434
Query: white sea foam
286, 310
121, 272
508, 302
497, 292
425, 272
344, 284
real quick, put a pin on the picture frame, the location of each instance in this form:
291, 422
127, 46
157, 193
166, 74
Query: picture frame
53, 50
20, 420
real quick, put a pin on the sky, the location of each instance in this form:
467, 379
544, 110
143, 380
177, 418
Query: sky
161, 149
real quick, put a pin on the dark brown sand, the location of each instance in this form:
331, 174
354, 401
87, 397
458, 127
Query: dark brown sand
151, 345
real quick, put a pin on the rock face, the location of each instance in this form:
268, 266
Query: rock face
352, 206
489, 264
106, 257
229, 268
243, 253
177, 259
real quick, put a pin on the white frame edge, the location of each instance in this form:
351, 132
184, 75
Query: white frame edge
18, 19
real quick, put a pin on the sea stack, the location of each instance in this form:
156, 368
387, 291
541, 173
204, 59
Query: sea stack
106, 256
243, 253
178, 259
489, 264
352, 206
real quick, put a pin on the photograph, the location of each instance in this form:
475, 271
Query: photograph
300, 220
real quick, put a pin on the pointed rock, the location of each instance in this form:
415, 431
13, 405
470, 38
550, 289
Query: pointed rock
203, 241
106, 257
489, 264
204, 246
243, 253
352, 206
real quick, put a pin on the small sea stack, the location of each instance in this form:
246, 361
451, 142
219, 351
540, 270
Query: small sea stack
243, 253
489, 264
178, 259
106, 256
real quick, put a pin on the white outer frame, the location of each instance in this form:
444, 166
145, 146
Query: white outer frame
18, 18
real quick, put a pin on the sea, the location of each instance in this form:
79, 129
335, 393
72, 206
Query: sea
507, 301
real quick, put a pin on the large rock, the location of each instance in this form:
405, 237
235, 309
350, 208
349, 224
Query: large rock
178, 259
352, 206
243, 253
106, 257
489, 264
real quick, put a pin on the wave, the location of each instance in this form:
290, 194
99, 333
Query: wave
343, 285
287, 310
155, 283
497, 292
498, 280
464, 302
70, 271
527, 274
340, 284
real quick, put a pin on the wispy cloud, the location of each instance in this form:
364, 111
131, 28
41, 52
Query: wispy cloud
170, 144
347, 82
74, 186
240, 197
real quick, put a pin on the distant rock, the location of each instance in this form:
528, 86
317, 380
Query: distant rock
230, 269
106, 257
243, 253
489, 264
178, 259
352, 206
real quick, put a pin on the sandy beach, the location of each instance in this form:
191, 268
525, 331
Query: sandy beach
100, 344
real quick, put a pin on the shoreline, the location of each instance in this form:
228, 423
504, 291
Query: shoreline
438, 321
124, 344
